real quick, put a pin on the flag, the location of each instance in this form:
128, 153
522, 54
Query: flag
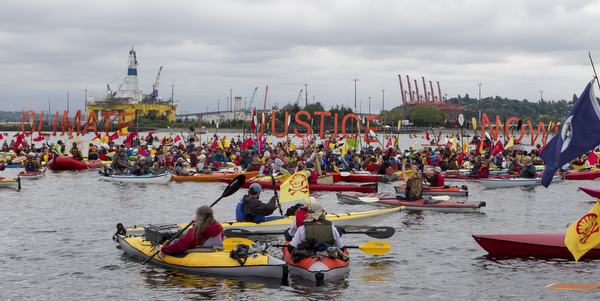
164, 140
295, 188
95, 140
177, 138
389, 143
305, 140
149, 135
414, 147
584, 234
465, 146
480, 148
328, 144
105, 139
247, 143
593, 158
254, 121
113, 136
395, 140
427, 135
510, 143
352, 142
292, 147
579, 133
345, 150
1, 137
439, 136
497, 148
40, 138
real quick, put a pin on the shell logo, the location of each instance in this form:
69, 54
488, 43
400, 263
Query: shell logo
586, 226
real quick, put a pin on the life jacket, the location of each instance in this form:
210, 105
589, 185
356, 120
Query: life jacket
320, 230
255, 167
239, 211
30, 166
439, 181
314, 175
75, 153
169, 162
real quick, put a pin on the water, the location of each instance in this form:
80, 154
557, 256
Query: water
57, 245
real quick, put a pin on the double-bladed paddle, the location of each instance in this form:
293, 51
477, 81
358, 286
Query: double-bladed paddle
233, 186
376, 232
372, 247
275, 190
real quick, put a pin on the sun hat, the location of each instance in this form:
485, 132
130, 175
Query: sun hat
315, 212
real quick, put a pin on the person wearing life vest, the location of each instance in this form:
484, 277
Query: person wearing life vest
32, 165
300, 217
207, 232
120, 164
437, 179
58, 147
93, 153
528, 168
255, 165
76, 153
251, 209
316, 226
483, 171
266, 169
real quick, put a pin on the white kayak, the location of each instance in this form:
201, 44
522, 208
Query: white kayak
514, 182
10, 183
162, 178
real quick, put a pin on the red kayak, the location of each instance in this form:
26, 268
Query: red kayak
33, 174
582, 175
69, 163
317, 268
366, 177
428, 204
548, 244
313, 187
439, 190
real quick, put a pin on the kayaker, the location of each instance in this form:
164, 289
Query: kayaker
317, 227
32, 165
528, 168
437, 179
254, 165
58, 147
219, 157
383, 167
141, 168
179, 168
207, 232
120, 164
251, 209
414, 184
483, 171
76, 152
299, 218
266, 169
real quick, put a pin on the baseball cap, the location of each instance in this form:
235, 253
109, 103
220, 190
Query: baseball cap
256, 187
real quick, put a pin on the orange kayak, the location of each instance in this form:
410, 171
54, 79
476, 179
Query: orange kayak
213, 177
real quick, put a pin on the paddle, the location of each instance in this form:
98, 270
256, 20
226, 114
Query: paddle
376, 232
374, 200
372, 247
574, 286
233, 186
275, 190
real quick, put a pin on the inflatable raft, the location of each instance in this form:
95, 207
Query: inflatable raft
214, 261
317, 268
68, 163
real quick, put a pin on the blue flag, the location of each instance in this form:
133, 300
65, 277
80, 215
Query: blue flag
578, 134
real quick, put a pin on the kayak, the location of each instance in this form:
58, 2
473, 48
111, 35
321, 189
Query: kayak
68, 163
213, 177
372, 187
514, 182
162, 178
10, 183
317, 268
548, 244
202, 260
582, 175
367, 177
428, 204
345, 220
33, 174
439, 190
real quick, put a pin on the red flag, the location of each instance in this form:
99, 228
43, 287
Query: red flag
19, 140
113, 136
327, 145
127, 143
593, 158
177, 138
479, 150
247, 143
427, 135
164, 141
40, 138
389, 143
214, 144
449, 145
498, 147
439, 136
254, 121
16, 135
149, 135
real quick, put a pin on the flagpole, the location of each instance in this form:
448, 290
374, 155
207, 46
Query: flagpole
594, 68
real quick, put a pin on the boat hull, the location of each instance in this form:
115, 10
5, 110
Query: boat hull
207, 262
33, 175
418, 205
548, 244
213, 177
317, 268
164, 178
454, 190
68, 163
11, 183
582, 175
514, 182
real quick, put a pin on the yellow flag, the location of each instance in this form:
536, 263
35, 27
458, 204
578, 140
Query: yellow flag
295, 188
220, 144
465, 146
105, 139
345, 149
481, 148
414, 147
584, 234
95, 140
226, 142
395, 140
292, 147
399, 124
510, 143
331, 145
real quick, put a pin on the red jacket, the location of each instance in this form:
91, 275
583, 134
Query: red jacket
190, 239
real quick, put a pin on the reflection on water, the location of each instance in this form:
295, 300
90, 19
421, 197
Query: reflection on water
377, 271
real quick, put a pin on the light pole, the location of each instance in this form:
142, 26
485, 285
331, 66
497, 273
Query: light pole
369, 105
85, 100
231, 99
355, 80
383, 99
541, 102
218, 117
49, 101
479, 100
67, 102
305, 95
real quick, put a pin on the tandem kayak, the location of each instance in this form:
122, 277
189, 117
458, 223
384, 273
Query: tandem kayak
345, 220
428, 204
163, 178
514, 182
33, 174
372, 187
10, 183
214, 261
440, 190
69, 163
548, 244
213, 176
317, 268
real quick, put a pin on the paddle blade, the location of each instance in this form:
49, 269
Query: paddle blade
474, 122
237, 233
230, 243
440, 197
574, 286
379, 232
234, 185
375, 247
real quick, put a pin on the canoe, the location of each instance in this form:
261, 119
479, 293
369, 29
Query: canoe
68, 163
367, 177
33, 175
547, 244
514, 182
10, 183
440, 190
427, 204
345, 220
317, 268
372, 187
212, 177
582, 175
162, 178
206, 260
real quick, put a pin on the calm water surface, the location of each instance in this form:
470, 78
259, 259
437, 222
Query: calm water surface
57, 245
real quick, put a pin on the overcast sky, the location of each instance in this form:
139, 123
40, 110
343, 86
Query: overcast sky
515, 49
